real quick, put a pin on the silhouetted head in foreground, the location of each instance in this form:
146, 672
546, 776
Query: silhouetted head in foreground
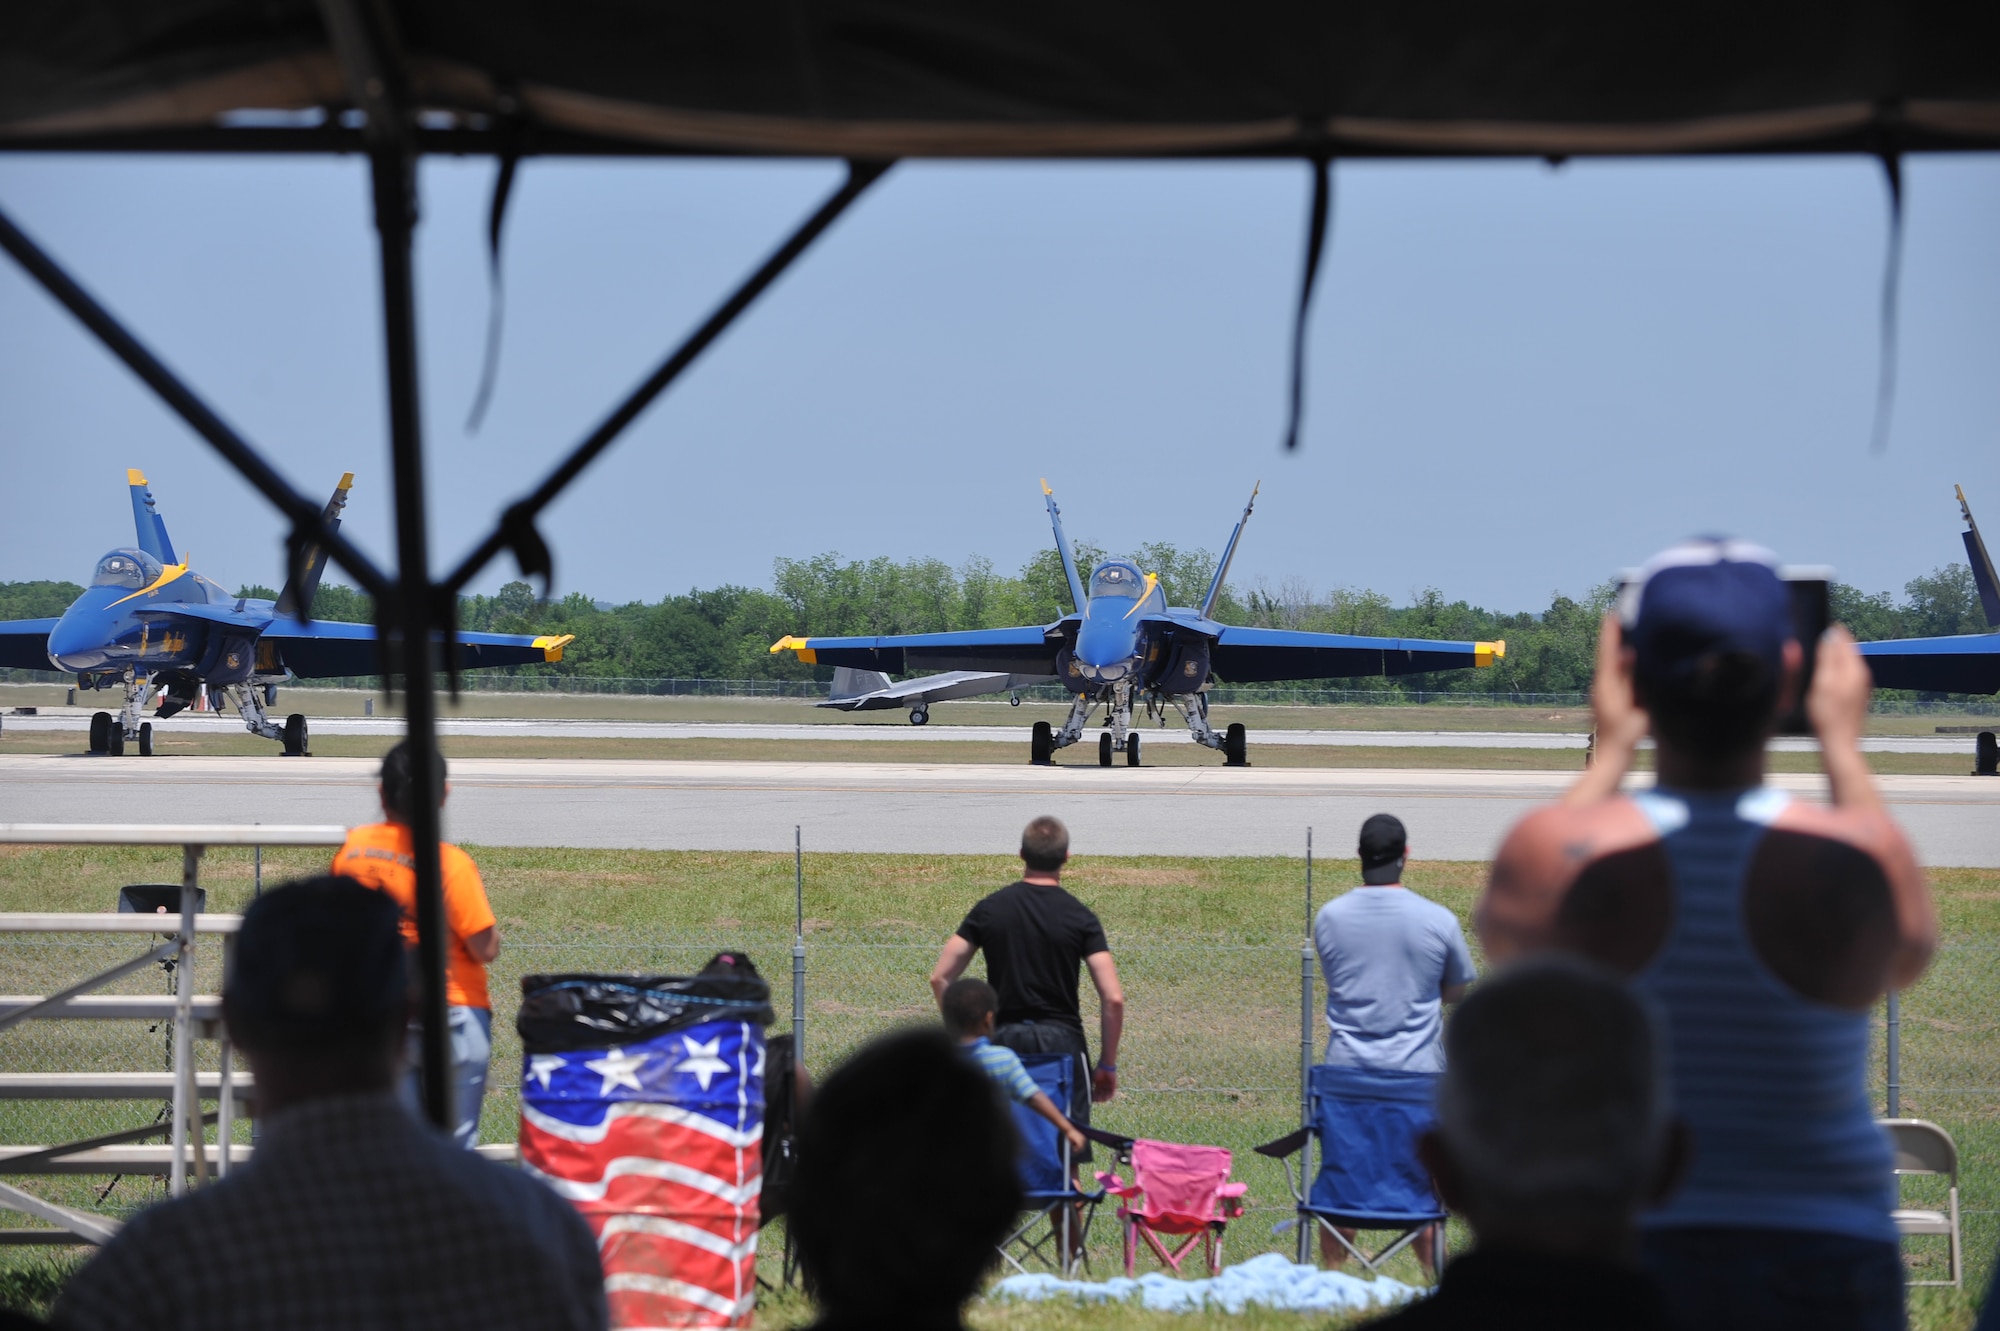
910, 1096
317, 995
1553, 1128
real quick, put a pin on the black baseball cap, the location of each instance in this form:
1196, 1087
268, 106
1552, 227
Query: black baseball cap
318, 962
1383, 841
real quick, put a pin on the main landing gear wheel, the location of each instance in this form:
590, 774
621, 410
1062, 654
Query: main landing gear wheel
1014, 701
100, 732
295, 735
145, 739
1235, 745
117, 745
1131, 750
920, 715
1104, 749
1042, 744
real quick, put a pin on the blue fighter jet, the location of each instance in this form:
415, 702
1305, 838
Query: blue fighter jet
1960, 663
1125, 646
148, 623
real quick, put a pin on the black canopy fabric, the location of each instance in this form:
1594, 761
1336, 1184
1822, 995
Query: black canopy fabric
1030, 78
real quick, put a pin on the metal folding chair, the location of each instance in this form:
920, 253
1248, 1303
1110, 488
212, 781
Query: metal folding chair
1366, 1125
1048, 1178
1924, 1148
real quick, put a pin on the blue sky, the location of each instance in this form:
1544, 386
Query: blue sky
1521, 377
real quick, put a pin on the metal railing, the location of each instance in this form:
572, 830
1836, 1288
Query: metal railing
190, 1016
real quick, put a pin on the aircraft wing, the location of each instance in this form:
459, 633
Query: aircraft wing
24, 644
1030, 650
934, 688
1965, 663
1254, 656
323, 649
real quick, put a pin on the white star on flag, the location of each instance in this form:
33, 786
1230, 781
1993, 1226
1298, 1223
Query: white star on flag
543, 1066
758, 1069
618, 1069
703, 1060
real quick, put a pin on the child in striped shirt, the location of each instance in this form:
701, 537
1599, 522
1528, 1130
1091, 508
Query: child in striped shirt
970, 1008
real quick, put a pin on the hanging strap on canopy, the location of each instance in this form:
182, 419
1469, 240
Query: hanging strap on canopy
496, 307
1892, 275
1316, 229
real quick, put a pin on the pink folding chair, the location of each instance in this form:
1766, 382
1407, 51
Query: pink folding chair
1177, 1191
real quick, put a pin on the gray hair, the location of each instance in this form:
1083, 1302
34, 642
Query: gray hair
1554, 1096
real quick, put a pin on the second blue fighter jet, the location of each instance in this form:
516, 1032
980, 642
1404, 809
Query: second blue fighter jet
1125, 647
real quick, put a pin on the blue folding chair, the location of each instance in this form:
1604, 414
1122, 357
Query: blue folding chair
1048, 1177
1366, 1124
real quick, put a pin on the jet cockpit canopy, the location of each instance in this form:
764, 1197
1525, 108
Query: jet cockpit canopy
1115, 577
126, 568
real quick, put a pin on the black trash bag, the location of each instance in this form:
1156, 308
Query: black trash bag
561, 1012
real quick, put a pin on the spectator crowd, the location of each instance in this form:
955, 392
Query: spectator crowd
1652, 1114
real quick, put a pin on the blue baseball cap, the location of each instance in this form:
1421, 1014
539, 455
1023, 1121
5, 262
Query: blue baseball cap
1702, 599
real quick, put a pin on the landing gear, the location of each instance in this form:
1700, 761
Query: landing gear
248, 700
1104, 749
1041, 744
920, 715
295, 735
1235, 745
100, 732
117, 745
145, 739
1132, 750
1014, 701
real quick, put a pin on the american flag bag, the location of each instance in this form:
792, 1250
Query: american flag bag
642, 1102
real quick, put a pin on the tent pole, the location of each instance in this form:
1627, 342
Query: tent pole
520, 515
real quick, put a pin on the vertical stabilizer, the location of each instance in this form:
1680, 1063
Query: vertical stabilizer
151, 527
1062, 548
1228, 553
849, 683
1982, 564
303, 585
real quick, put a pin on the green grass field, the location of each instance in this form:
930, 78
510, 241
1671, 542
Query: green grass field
1209, 950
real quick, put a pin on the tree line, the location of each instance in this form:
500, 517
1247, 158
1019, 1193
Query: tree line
726, 632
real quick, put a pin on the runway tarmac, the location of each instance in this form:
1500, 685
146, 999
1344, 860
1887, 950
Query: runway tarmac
77, 720
899, 807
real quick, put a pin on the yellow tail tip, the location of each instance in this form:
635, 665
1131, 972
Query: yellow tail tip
133, 476
346, 481
552, 647
1486, 653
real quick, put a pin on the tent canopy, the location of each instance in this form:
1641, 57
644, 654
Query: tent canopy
1021, 78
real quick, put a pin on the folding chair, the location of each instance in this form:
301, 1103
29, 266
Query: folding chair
1048, 1178
1924, 1148
1176, 1190
1366, 1124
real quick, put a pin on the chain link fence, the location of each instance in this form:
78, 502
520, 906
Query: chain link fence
1211, 1049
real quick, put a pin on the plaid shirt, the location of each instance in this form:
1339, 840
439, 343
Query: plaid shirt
351, 1214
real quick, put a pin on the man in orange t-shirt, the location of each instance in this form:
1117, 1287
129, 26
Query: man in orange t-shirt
379, 856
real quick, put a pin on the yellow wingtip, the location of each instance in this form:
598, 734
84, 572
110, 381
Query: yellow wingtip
788, 643
552, 646
346, 481
1486, 653
1045, 486
133, 476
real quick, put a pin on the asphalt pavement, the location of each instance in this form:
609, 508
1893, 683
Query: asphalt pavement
894, 807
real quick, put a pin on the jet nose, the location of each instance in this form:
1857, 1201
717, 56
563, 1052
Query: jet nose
75, 644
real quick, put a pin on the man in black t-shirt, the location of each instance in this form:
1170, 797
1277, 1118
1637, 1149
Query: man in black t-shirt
1038, 939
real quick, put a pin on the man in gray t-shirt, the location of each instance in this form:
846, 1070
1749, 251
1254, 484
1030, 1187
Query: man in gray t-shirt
1392, 960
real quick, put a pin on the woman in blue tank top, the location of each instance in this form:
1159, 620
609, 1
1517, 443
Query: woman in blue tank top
1764, 928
